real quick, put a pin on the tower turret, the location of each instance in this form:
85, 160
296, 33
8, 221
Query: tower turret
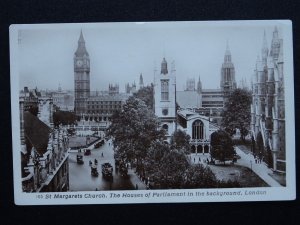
228, 82
199, 86
275, 46
141, 81
264, 49
164, 67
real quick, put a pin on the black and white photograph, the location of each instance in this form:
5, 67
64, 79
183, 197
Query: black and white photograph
147, 112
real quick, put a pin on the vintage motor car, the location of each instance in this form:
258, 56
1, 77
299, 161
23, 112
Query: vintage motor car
79, 159
87, 151
107, 170
94, 171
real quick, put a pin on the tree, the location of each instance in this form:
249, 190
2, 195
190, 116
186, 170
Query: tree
134, 129
146, 94
165, 166
173, 167
236, 113
63, 117
222, 146
198, 176
181, 140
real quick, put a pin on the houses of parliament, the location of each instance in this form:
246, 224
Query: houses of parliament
197, 110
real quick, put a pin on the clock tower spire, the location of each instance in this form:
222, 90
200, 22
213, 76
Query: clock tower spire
81, 77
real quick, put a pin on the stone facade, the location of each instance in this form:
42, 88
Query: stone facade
268, 108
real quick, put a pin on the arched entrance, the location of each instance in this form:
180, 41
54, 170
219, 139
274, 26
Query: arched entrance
193, 148
199, 149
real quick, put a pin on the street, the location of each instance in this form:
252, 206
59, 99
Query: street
80, 174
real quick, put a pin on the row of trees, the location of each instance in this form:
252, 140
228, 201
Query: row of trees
138, 139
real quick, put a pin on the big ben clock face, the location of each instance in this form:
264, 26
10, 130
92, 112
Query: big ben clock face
79, 63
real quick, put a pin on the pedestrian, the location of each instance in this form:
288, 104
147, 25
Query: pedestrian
136, 187
102, 154
255, 160
199, 159
194, 159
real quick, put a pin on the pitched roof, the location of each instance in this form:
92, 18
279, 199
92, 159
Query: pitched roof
36, 132
81, 50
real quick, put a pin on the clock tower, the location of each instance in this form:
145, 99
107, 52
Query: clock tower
81, 77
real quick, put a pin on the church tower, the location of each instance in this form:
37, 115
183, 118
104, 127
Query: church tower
199, 86
141, 81
165, 97
227, 73
81, 77
227, 83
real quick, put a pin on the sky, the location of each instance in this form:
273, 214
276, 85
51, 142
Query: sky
119, 52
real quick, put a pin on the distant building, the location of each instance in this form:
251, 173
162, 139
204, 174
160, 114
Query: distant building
113, 89
209, 102
30, 98
268, 107
62, 99
98, 106
101, 107
190, 84
130, 89
141, 81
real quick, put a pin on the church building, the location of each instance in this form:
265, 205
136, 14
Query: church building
195, 110
268, 107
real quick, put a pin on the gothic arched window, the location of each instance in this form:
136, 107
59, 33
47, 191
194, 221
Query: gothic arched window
197, 130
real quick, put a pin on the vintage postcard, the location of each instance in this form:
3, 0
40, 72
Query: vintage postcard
152, 112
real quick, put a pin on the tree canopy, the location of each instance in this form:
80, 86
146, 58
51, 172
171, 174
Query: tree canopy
221, 146
237, 113
63, 117
181, 140
134, 129
146, 94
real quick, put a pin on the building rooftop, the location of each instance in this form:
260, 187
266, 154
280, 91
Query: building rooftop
36, 132
117, 97
188, 99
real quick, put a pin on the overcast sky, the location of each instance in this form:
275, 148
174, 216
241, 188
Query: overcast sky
119, 52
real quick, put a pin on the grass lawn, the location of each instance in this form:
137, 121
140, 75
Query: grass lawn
243, 175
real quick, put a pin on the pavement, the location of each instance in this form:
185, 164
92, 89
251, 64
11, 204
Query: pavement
136, 181
261, 169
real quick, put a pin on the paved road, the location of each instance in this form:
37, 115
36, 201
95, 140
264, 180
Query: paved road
80, 175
